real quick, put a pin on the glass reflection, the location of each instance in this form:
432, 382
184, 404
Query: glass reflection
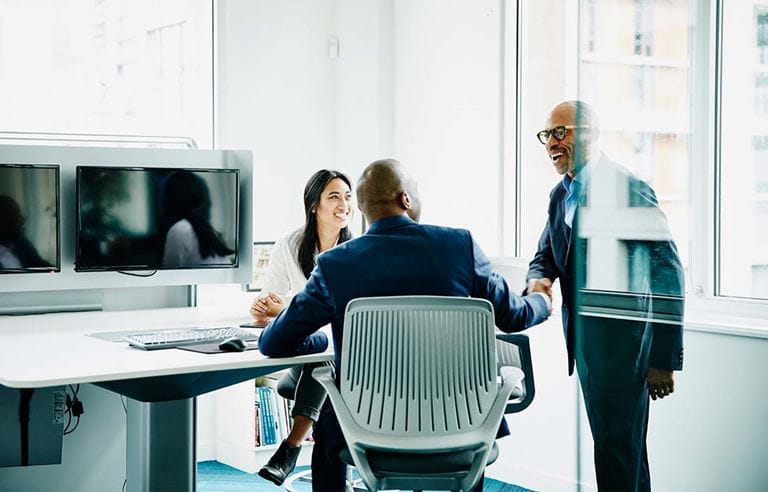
156, 218
28, 218
608, 242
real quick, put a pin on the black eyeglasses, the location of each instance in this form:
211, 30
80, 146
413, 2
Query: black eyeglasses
558, 132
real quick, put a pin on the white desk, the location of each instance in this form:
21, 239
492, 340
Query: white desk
52, 349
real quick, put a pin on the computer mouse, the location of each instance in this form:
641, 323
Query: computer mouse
233, 344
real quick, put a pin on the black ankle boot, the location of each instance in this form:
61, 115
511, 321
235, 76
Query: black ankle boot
281, 464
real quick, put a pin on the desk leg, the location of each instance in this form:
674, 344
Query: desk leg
160, 452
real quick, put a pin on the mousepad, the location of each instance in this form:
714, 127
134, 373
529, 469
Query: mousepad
213, 348
254, 325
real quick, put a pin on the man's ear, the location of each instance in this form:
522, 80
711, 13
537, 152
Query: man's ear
591, 134
405, 200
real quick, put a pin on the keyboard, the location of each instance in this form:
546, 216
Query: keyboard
177, 337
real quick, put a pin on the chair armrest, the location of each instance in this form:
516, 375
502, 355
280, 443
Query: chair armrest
353, 433
511, 375
324, 375
529, 387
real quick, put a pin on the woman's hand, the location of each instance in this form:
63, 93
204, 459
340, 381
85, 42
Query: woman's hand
267, 306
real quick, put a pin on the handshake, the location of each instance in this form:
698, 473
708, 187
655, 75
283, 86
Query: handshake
542, 285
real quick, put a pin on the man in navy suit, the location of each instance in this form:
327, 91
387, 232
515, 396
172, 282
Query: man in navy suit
620, 361
396, 256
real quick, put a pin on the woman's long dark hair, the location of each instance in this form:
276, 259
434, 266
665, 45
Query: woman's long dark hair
186, 196
309, 241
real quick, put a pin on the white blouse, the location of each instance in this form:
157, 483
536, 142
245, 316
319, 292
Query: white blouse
283, 275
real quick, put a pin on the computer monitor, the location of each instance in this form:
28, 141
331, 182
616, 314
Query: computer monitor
131, 218
29, 218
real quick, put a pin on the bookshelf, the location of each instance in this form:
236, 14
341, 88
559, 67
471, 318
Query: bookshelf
236, 430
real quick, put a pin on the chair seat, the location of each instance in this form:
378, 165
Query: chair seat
424, 464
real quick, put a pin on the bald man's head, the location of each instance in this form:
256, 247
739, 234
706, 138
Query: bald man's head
576, 146
385, 189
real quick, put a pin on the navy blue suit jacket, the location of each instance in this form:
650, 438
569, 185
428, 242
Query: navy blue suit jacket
614, 349
396, 256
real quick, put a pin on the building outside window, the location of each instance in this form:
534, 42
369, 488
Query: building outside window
111, 67
637, 79
743, 210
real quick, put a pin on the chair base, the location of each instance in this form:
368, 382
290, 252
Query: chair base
353, 485
420, 463
435, 469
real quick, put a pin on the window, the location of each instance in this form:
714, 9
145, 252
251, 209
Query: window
761, 93
543, 64
141, 68
637, 80
643, 45
743, 211
761, 33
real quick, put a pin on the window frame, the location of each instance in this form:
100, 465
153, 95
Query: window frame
707, 295
707, 309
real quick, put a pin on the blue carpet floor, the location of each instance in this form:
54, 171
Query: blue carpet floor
213, 476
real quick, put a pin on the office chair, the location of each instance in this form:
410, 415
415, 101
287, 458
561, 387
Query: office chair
514, 350
418, 400
294, 480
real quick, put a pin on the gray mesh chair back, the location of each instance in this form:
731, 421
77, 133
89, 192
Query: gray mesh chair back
418, 400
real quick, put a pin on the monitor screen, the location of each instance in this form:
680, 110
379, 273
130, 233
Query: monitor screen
156, 218
29, 218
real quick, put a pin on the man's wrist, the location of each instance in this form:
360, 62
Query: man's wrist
546, 299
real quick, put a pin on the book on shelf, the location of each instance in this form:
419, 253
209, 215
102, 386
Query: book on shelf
257, 440
273, 419
267, 417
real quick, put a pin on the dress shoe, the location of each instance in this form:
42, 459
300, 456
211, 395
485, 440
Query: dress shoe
281, 464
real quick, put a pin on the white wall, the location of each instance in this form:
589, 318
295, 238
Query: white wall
711, 434
275, 96
364, 74
447, 69
540, 453
296, 105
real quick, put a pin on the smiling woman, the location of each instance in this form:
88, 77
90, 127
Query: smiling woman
327, 210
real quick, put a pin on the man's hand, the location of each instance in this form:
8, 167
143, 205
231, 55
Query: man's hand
661, 382
543, 285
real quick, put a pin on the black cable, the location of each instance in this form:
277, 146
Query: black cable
73, 428
143, 275
74, 408
125, 409
69, 421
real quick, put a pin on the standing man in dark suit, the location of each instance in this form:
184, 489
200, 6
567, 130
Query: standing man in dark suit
396, 256
620, 361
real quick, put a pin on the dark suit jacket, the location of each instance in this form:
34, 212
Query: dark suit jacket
397, 256
613, 349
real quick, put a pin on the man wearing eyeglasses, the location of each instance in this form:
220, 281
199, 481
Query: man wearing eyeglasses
620, 362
